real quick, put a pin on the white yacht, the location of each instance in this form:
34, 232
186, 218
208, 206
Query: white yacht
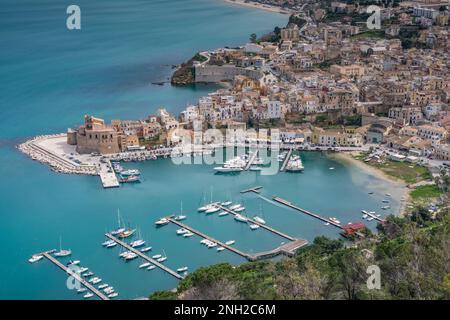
182, 269
144, 265
81, 290
219, 249
113, 295
254, 226
88, 295
151, 267
35, 258
131, 172
204, 208
223, 213
188, 234
182, 231
84, 269
162, 259
103, 286
162, 222
240, 218
260, 220
226, 203
131, 256
180, 217
230, 242
233, 207
137, 243
239, 209
107, 242
213, 209
157, 256
146, 249
112, 244
63, 253
212, 245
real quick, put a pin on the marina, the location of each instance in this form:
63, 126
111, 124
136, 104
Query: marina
286, 160
287, 249
86, 284
145, 257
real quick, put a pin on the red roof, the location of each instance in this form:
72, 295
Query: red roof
354, 226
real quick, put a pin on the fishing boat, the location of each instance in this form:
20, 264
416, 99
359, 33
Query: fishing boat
35, 258
254, 226
188, 234
230, 242
260, 220
146, 249
62, 252
88, 295
129, 179
151, 267
162, 222
182, 269
144, 265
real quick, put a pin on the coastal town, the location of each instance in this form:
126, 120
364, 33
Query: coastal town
329, 87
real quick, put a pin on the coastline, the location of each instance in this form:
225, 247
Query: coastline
260, 6
347, 157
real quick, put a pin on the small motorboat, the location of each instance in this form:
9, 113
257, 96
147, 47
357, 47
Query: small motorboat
188, 234
223, 213
258, 219
254, 226
219, 249
88, 295
230, 242
113, 295
182, 231
144, 265
226, 203
151, 267
157, 256
239, 209
162, 222
182, 269
146, 249
35, 258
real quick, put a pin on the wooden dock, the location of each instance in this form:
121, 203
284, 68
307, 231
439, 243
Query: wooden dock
287, 249
254, 189
205, 236
290, 205
286, 160
145, 257
251, 160
279, 233
77, 276
375, 217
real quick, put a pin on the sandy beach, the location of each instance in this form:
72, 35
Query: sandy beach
260, 6
347, 157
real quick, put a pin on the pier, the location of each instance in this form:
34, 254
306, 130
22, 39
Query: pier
287, 249
251, 160
254, 189
77, 276
290, 205
107, 175
286, 160
205, 236
375, 217
279, 233
145, 257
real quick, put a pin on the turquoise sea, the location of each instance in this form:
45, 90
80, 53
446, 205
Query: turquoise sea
51, 77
